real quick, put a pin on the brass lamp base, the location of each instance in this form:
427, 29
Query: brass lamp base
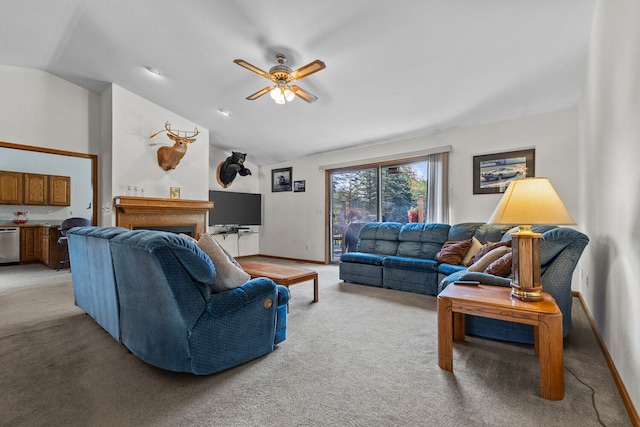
535, 295
525, 264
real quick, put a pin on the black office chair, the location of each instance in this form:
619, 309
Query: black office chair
66, 225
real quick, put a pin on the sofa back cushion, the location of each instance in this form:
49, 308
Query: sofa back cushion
379, 238
419, 240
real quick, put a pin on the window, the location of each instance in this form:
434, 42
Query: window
394, 192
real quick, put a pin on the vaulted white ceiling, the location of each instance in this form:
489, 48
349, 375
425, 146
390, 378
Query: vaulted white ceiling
395, 69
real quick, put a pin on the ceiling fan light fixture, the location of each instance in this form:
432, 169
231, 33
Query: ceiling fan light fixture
275, 93
288, 94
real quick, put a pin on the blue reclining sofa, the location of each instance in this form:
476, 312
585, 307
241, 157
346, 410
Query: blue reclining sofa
151, 290
403, 257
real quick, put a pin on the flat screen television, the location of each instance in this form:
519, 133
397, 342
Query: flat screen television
230, 208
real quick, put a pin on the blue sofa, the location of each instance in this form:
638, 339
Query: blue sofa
403, 257
151, 291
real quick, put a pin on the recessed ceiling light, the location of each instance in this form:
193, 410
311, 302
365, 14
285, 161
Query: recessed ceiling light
224, 112
154, 71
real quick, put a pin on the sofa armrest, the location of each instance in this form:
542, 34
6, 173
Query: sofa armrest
486, 278
229, 301
283, 295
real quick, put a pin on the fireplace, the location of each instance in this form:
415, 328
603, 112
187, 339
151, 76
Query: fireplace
162, 214
177, 229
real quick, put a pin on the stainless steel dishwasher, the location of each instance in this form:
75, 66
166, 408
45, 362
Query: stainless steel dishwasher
9, 245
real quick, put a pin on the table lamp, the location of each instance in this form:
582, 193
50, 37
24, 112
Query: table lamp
529, 201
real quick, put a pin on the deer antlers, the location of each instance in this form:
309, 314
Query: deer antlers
169, 157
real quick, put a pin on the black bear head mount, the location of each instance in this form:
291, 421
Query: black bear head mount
231, 167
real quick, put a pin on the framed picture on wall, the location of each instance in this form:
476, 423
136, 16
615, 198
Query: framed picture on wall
281, 179
298, 186
174, 192
492, 173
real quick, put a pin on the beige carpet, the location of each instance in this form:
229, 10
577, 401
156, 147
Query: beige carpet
362, 356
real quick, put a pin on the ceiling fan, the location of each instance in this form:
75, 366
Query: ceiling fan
282, 75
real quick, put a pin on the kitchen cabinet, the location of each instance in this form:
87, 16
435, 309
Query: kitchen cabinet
11, 188
59, 190
50, 251
36, 189
18, 188
29, 244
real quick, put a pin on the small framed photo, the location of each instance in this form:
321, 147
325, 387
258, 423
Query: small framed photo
298, 186
492, 173
281, 179
174, 192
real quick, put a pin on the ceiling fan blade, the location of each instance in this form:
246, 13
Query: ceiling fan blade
301, 93
307, 70
245, 64
259, 93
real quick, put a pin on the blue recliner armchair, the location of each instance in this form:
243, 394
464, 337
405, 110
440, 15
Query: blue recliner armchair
168, 315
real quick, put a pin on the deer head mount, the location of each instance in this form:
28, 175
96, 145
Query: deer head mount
169, 157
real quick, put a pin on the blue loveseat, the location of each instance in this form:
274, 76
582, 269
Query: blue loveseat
152, 292
403, 257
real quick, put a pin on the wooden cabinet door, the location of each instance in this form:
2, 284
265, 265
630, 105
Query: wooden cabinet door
36, 189
11, 188
29, 244
45, 250
59, 190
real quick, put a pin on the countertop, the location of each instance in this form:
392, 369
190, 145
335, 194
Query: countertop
33, 223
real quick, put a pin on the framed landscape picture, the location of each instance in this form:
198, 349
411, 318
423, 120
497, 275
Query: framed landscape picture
492, 173
281, 179
298, 186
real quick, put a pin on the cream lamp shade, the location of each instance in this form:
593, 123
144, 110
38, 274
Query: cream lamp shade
531, 201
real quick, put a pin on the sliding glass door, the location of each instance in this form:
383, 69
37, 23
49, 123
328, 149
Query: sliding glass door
389, 192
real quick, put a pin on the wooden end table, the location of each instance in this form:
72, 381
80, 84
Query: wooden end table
495, 302
284, 275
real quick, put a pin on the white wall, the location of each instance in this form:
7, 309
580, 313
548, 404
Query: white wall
39, 109
610, 147
134, 156
299, 218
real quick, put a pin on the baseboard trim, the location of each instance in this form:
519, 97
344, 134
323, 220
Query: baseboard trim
626, 399
284, 259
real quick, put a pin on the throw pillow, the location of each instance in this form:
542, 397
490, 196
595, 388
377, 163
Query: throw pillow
476, 245
488, 247
501, 267
452, 251
482, 264
229, 274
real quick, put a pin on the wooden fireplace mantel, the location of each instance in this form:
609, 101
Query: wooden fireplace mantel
149, 211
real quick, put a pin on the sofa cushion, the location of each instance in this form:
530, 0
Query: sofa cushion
447, 269
484, 262
419, 240
361, 258
379, 238
453, 251
229, 274
414, 264
463, 231
501, 267
488, 247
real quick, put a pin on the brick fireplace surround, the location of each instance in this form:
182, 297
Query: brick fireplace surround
141, 212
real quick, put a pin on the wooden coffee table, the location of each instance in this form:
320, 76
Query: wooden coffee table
495, 302
284, 275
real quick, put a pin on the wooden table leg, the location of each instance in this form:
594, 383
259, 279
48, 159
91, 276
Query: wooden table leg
551, 357
315, 288
445, 335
